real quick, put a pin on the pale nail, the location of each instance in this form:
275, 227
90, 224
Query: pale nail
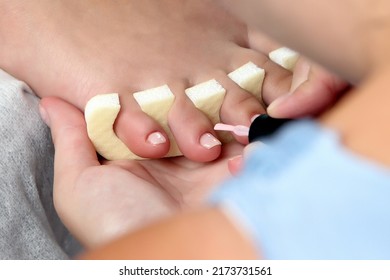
255, 117
44, 115
209, 141
235, 164
156, 138
274, 106
251, 147
236, 160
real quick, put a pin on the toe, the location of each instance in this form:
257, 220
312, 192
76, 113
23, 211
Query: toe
239, 105
192, 130
277, 80
140, 133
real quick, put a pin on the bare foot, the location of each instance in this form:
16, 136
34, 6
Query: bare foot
78, 49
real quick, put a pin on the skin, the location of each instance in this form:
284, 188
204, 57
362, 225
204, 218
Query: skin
371, 75
331, 23
92, 47
364, 63
77, 49
161, 187
77, 193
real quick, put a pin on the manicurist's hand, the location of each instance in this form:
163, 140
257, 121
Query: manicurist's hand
313, 90
99, 201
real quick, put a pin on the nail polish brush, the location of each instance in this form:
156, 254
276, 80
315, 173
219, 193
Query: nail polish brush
261, 126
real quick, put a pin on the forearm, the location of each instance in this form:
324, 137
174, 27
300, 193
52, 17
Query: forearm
206, 234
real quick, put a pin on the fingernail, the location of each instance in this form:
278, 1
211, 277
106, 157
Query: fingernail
254, 117
251, 147
272, 109
209, 141
236, 160
156, 138
235, 164
44, 115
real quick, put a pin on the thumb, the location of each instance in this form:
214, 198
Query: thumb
312, 93
73, 150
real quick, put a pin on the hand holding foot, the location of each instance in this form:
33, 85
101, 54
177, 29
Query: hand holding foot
128, 194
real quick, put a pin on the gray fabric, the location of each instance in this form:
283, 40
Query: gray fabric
29, 226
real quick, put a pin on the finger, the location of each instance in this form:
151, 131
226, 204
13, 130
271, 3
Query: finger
301, 73
236, 163
192, 129
320, 90
143, 135
73, 150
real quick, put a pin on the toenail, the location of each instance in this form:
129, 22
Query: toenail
156, 138
209, 141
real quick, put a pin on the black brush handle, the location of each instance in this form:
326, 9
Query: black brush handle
264, 125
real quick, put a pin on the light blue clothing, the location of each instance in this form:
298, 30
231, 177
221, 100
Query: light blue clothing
302, 195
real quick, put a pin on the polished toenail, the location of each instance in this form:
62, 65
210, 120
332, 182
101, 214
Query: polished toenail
156, 138
209, 141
